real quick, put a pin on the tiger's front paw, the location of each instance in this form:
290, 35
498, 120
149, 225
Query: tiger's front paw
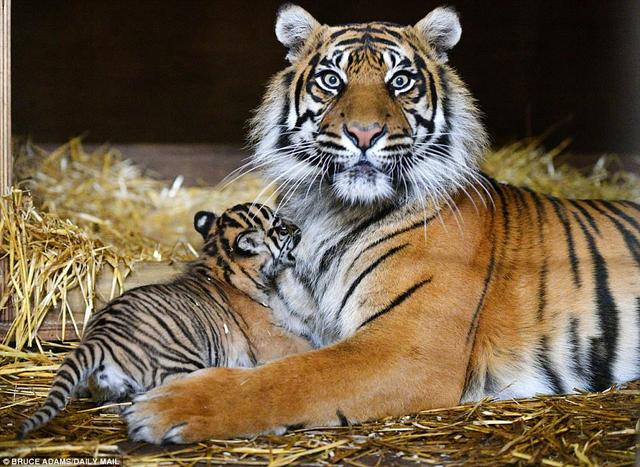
209, 403
161, 416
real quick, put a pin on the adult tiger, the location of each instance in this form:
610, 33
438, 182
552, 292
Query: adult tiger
377, 142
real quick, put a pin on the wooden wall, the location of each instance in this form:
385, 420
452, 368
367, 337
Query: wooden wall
191, 70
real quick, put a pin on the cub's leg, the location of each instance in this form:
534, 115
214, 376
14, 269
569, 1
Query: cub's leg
106, 390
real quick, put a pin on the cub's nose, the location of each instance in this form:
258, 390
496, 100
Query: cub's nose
364, 136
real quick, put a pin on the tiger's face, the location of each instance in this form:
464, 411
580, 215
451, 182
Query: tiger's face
247, 240
371, 110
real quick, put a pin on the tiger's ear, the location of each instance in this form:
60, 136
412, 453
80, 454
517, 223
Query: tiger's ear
202, 221
293, 27
441, 29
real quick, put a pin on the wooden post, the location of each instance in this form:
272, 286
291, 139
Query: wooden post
5, 98
6, 156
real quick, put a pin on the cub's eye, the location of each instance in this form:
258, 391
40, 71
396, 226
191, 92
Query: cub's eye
281, 229
401, 82
329, 81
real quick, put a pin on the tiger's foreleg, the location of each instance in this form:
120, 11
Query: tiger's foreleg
280, 344
370, 375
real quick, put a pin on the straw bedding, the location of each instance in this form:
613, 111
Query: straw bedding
74, 213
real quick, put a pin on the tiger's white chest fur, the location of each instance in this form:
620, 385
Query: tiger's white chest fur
298, 307
311, 298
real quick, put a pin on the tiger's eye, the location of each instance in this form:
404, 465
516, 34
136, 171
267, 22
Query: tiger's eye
400, 81
330, 80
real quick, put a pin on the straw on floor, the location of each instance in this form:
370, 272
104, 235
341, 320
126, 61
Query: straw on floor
76, 212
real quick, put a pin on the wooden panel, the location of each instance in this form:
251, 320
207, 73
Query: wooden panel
199, 164
5, 97
144, 273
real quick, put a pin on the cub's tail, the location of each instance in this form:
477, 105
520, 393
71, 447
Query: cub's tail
70, 374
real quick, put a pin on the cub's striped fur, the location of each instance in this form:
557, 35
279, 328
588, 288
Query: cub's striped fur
213, 315
424, 282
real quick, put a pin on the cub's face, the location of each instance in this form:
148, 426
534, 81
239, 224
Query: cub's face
248, 239
363, 108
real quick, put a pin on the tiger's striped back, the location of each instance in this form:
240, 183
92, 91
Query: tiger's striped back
561, 305
207, 317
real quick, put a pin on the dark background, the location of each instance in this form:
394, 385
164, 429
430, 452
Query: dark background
191, 71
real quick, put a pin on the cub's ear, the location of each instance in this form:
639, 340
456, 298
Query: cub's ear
293, 27
249, 243
202, 221
441, 29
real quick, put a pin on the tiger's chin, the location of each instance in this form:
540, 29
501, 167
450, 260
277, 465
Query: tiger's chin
358, 185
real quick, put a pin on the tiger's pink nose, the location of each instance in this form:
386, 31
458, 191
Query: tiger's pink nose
364, 137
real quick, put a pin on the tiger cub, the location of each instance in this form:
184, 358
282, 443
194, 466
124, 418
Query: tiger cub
213, 315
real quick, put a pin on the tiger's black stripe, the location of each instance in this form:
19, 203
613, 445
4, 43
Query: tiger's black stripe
160, 320
283, 137
485, 287
85, 360
541, 220
230, 222
493, 257
586, 214
547, 367
574, 341
632, 205
434, 96
561, 213
368, 270
386, 238
132, 358
603, 349
105, 346
73, 367
350, 237
56, 394
610, 206
396, 301
66, 377
344, 421
331, 145
632, 242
